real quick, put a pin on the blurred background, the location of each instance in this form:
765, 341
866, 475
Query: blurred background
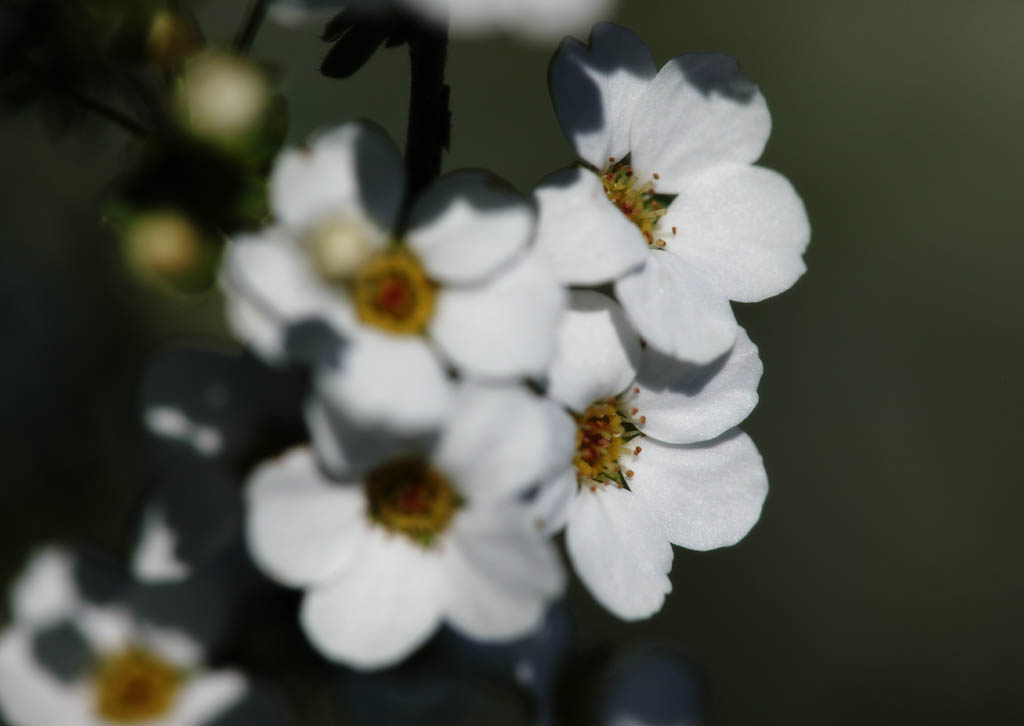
882, 584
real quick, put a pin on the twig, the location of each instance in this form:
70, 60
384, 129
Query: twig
247, 35
429, 129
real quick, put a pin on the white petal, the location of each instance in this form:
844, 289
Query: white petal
698, 112
207, 696
155, 558
467, 224
676, 310
46, 591
683, 403
703, 495
270, 284
541, 20
595, 90
383, 607
501, 440
352, 173
346, 449
501, 573
597, 353
743, 226
549, 507
30, 695
302, 528
619, 551
106, 629
175, 646
396, 382
585, 237
505, 327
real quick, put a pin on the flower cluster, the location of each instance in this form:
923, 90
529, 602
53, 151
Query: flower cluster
435, 476
444, 376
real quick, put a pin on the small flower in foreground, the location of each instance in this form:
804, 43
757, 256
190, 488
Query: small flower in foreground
425, 537
461, 279
69, 660
657, 460
691, 131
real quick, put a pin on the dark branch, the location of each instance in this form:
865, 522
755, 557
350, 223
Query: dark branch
247, 35
429, 115
109, 113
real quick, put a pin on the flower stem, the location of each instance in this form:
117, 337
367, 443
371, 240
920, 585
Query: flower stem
429, 116
247, 35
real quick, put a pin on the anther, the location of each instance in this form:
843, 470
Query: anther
636, 451
630, 473
643, 419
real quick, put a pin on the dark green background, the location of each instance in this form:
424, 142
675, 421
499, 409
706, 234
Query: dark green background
882, 584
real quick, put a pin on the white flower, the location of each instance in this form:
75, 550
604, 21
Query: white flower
693, 129
461, 280
535, 19
658, 461
67, 660
421, 539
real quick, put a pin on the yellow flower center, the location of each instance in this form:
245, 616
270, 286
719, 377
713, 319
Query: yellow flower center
634, 200
409, 496
599, 436
392, 292
135, 685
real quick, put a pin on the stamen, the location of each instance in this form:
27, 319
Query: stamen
636, 202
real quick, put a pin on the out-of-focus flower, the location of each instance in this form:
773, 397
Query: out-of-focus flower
657, 461
430, 536
170, 39
534, 19
80, 658
691, 130
461, 280
652, 686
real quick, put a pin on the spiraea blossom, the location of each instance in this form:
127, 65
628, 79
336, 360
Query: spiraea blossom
458, 285
430, 535
75, 659
658, 461
690, 132
535, 19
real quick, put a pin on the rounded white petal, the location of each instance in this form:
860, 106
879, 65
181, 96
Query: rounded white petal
703, 495
208, 696
46, 591
585, 238
352, 173
700, 111
676, 310
302, 528
395, 382
619, 551
683, 403
595, 90
743, 226
467, 224
30, 695
505, 327
501, 440
501, 573
597, 353
549, 506
383, 607
270, 284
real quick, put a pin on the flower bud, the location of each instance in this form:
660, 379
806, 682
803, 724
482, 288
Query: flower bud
222, 98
